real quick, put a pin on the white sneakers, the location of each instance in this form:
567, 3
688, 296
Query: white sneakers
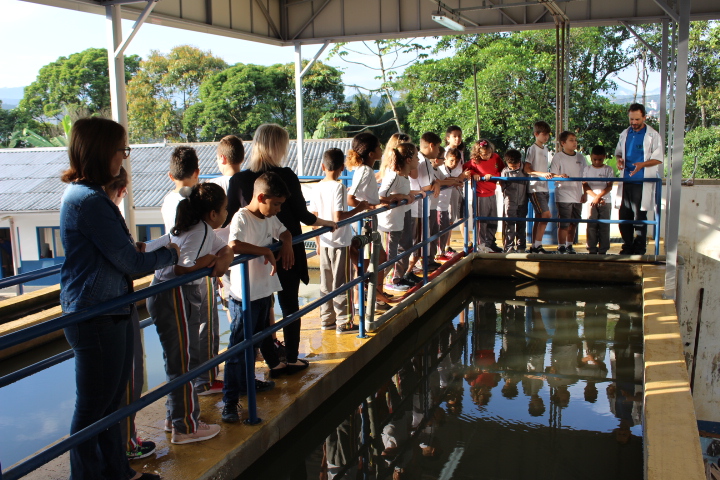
203, 432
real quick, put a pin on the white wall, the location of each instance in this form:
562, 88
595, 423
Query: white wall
699, 245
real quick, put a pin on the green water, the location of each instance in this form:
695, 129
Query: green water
515, 382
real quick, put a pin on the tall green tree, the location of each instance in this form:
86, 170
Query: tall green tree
516, 85
165, 86
239, 99
78, 81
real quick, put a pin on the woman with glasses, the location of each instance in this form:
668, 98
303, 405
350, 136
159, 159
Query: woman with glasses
100, 259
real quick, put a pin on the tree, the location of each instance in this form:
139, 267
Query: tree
702, 145
239, 99
164, 87
386, 59
516, 85
78, 81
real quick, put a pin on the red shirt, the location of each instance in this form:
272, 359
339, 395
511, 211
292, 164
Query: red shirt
493, 166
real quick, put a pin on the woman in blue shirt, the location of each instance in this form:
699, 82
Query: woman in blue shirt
100, 258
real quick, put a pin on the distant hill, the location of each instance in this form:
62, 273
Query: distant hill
11, 97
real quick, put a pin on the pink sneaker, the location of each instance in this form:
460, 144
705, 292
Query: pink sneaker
203, 432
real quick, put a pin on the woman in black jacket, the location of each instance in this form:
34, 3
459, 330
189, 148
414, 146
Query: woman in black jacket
269, 148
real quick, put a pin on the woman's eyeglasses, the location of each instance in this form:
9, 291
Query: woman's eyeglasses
126, 151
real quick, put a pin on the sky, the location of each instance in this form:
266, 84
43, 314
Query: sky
34, 35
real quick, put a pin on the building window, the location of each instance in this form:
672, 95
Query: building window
49, 242
145, 233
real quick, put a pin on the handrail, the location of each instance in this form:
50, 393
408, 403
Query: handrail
30, 276
91, 312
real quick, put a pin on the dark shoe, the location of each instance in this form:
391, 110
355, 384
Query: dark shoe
260, 386
495, 249
347, 328
144, 448
149, 476
570, 250
411, 277
539, 249
562, 250
231, 412
382, 307
450, 250
278, 372
434, 265
292, 369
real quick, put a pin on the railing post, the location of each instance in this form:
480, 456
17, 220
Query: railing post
249, 351
375, 246
425, 235
658, 211
466, 213
474, 215
361, 290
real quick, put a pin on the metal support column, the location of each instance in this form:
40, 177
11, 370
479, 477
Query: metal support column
566, 77
118, 96
299, 110
671, 235
664, 82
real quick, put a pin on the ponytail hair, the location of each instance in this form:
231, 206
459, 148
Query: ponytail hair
363, 145
387, 158
400, 156
199, 201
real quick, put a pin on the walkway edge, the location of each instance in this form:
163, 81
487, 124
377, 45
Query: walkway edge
672, 443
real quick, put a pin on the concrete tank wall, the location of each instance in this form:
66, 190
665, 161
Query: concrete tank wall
699, 245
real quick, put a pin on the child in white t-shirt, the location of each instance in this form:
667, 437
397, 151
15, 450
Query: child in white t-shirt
366, 151
600, 201
251, 231
176, 318
398, 223
568, 163
448, 170
329, 200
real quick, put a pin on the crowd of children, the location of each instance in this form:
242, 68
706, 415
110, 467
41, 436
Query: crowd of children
195, 218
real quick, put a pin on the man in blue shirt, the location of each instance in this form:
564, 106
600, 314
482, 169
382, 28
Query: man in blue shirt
639, 152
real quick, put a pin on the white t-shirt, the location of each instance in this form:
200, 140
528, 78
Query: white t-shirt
246, 227
222, 180
326, 199
538, 159
572, 166
443, 201
169, 209
425, 177
393, 220
364, 186
197, 242
605, 171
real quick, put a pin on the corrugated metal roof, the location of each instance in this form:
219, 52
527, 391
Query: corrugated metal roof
30, 178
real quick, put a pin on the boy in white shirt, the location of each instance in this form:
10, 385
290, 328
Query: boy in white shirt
184, 172
329, 200
424, 180
600, 201
251, 231
567, 163
230, 156
536, 164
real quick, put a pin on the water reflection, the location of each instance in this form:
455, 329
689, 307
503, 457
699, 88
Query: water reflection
509, 389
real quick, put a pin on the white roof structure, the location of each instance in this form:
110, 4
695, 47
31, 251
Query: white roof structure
288, 22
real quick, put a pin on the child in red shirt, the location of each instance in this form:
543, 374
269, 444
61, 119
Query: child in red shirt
485, 163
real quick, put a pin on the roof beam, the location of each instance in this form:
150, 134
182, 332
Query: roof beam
136, 27
312, 18
269, 19
502, 6
502, 12
666, 8
314, 59
636, 35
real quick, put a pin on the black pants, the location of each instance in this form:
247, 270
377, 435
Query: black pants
289, 303
634, 236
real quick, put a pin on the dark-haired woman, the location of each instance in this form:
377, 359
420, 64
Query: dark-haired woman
100, 257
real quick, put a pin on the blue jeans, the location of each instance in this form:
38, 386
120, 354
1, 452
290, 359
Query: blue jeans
235, 382
103, 349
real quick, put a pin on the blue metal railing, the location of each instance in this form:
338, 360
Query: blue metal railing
251, 339
655, 223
